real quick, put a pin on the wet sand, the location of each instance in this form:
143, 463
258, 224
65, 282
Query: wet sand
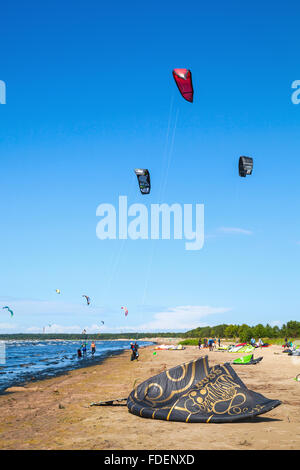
56, 413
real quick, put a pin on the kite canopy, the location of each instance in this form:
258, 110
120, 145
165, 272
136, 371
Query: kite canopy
125, 310
183, 79
247, 360
143, 177
294, 352
57, 291
88, 300
195, 393
245, 166
9, 310
247, 348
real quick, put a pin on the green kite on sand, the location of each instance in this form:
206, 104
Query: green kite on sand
247, 360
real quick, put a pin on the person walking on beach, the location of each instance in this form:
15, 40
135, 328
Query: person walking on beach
219, 342
93, 348
134, 351
199, 343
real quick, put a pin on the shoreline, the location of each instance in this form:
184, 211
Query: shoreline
47, 373
55, 413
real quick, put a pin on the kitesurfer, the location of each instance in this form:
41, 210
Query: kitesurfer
93, 348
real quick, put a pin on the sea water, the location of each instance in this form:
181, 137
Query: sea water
26, 361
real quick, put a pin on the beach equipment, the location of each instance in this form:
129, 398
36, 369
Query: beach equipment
247, 360
247, 348
143, 177
293, 352
116, 402
183, 80
169, 347
195, 393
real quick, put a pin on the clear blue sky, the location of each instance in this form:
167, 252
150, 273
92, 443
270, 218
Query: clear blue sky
89, 96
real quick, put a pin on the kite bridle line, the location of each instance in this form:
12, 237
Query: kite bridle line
167, 159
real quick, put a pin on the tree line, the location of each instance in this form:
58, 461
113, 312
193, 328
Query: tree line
245, 332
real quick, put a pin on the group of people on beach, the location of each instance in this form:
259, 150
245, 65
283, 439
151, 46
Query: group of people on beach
209, 343
82, 351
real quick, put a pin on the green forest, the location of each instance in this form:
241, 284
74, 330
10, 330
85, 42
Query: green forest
242, 332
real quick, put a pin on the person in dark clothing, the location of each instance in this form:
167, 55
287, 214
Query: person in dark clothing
78, 353
199, 343
134, 351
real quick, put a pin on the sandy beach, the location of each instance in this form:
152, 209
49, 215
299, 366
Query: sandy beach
56, 413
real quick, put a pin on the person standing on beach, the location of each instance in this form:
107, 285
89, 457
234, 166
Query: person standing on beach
199, 343
93, 348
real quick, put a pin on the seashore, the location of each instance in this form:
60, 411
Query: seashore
55, 413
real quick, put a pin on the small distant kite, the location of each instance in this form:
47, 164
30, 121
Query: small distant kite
9, 310
143, 177
125, 310
57, 291
88, 300
245, 166
102, 322
183, 79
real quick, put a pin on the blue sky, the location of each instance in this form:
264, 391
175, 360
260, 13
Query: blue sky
90, 96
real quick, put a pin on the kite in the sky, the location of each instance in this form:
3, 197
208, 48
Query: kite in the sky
125, 310
245, 166
183, 79
9, 310
143, 177
88, 300
57, 291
